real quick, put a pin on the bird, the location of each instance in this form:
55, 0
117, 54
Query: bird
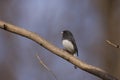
69, 43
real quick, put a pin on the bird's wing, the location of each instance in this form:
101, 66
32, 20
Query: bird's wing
74, 43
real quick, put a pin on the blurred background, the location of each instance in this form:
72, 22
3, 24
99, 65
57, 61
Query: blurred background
91, 22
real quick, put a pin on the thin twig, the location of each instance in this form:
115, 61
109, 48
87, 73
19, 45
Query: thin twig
112, 44
45, 66
59, 52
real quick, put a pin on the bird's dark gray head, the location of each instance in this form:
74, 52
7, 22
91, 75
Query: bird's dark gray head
66, 34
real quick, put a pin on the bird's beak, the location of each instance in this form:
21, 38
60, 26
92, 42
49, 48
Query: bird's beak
62, 32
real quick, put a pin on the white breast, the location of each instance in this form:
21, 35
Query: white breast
68, 45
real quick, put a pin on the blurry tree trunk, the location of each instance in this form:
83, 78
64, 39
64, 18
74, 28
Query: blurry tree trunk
112, 29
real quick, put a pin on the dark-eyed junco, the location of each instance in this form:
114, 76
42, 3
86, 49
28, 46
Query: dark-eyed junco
69, 43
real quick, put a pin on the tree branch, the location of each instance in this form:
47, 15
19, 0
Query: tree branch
59, 52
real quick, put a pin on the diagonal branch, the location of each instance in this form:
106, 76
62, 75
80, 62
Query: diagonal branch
59, 52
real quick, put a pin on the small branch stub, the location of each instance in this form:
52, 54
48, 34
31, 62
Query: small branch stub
112, 44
